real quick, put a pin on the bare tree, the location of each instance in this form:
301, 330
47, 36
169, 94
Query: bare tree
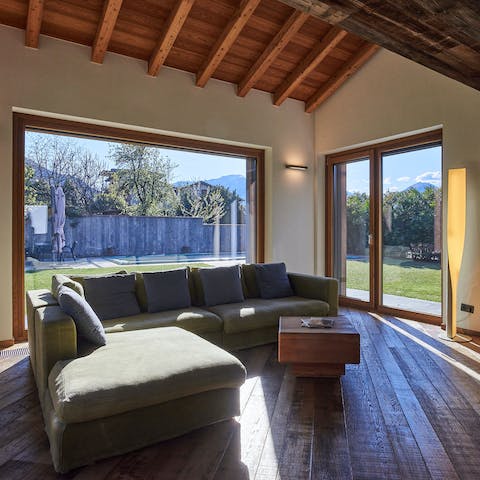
54, 160
207, 203
86, 183
53, 157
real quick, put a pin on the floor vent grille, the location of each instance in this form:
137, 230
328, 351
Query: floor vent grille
15, 352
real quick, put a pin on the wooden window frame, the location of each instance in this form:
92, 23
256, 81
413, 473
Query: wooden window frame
374, 154
23, 122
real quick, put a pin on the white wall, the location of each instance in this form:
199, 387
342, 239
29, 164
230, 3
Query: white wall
59, 78
393, 96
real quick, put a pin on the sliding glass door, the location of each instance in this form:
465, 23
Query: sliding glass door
351, 227
412, 229
384, 232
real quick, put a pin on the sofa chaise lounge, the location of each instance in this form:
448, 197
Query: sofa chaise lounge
160, 374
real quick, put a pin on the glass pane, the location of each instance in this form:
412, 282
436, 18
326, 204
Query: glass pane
94, 206
412, 230
351, 217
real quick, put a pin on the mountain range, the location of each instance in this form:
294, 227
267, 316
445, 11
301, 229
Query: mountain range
421, 186
232, 182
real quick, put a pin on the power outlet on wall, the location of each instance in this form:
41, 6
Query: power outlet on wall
466, 308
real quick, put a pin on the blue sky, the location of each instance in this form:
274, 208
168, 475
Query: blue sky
399, 170
191, 165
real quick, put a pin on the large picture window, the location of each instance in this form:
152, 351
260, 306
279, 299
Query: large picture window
103, 200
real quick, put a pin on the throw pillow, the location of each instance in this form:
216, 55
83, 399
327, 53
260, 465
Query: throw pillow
167, 290
87, 322
112, 296
273, 280
221, 285
59, 279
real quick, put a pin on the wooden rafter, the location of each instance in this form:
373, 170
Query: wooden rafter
308, 64
226, 40
34, 22
345, 72
281, 39
169, 34
441, 34
111, 9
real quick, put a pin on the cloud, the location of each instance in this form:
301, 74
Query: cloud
435, 178
403, 179
387, 181
393, 189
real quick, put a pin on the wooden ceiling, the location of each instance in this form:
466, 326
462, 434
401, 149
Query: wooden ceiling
262, 44
443, 35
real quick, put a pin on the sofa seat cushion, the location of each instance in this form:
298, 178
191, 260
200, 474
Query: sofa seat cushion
193, 319
140, 369
256, 313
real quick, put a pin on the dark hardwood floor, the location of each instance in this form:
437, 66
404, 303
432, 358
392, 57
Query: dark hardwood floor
410, 410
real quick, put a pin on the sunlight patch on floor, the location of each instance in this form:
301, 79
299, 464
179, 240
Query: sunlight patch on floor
455, 363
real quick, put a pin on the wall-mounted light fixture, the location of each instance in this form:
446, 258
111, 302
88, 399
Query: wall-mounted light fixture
456, 226
291, 166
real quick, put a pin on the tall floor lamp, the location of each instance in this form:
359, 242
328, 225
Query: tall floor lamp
456, 226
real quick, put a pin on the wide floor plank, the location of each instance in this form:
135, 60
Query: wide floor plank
409, 410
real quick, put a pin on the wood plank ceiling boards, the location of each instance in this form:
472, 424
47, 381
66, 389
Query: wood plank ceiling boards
298, 49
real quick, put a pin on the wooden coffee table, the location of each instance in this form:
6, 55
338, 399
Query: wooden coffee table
318, 352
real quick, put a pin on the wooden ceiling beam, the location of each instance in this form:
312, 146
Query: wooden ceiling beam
226, 40
172, 28
111, 9
339, 78
334, 36
279, 42
34, 22
441, 35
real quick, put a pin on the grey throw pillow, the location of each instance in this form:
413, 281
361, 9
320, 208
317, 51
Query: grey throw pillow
167, 290
221, 285
112, 296
272, 280
87, 323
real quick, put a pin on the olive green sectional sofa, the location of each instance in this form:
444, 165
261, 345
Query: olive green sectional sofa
160, 374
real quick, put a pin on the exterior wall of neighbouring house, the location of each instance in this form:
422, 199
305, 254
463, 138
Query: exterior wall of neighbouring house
392, 96
58, 79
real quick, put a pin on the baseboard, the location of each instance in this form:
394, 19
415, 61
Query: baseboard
465, 331
6, 343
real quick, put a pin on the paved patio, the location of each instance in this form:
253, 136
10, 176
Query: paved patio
404, 303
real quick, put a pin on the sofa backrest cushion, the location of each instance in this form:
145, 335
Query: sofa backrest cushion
86, 321
221, 285
59, 279
196, 288
273, 280
249, 281
140, 292
112, 296
80, 278
167, 290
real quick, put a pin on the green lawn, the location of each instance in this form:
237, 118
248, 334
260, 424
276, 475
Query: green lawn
43, 278
409, 279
